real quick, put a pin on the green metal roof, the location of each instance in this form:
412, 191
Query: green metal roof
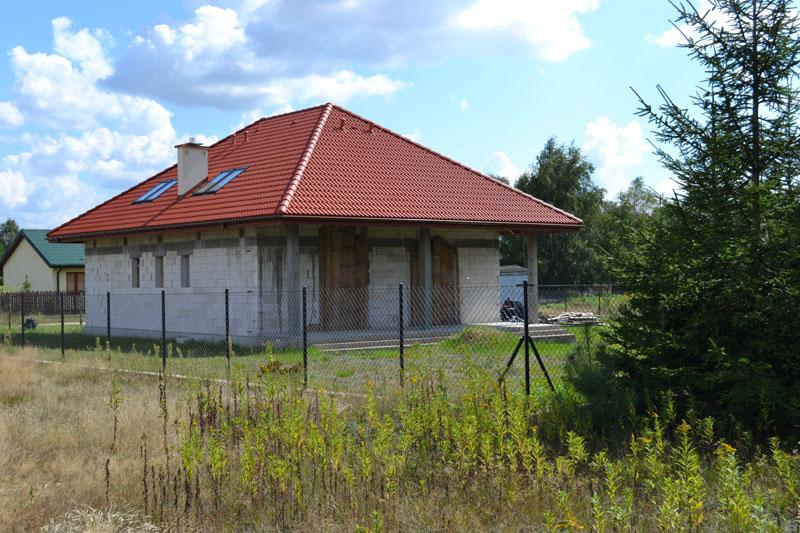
54, 254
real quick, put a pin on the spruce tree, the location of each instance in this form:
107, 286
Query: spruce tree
714, 279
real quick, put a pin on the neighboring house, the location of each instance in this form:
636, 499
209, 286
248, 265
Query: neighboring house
318, 198
47, 266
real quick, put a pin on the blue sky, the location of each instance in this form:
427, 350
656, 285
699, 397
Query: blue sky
93, 95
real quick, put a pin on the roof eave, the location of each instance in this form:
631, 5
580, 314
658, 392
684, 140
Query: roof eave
499, 225
69, 265
211, 224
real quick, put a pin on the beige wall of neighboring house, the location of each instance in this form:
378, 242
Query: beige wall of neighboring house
25, 260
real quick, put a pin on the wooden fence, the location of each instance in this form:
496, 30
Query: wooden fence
41, 303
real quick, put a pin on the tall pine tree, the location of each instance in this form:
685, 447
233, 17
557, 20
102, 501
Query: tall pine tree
714, 280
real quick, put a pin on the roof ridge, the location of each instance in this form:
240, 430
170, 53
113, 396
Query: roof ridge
462, 165
264, 119
283, 206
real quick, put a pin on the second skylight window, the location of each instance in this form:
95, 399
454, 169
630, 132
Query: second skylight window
219, 181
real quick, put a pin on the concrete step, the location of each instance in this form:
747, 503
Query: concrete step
545, 334
565, 338
376, 344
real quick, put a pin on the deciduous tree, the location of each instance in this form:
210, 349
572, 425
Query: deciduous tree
562, 176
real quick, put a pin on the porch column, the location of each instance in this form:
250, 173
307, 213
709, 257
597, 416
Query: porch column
533, 277
425, 276
293, 294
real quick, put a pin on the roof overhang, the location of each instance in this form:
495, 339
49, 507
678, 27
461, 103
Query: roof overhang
505, 227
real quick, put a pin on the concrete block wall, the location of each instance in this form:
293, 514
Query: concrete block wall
309, 270
251, 263
389, 266
479, 277
107, 268
275, 308
479, 272
218, 260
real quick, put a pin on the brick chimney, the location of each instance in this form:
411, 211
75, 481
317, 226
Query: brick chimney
192, 165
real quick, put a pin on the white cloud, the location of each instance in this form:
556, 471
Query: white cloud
246, 58
341, 86
461, 103
501, 165
617, 151
61, 90
677, 35
252, 115
667, 39
98, 140
415, 136
14, 188
83, 47
212, 61
214, 31
666, 187
551, 28
250, 7
10, 115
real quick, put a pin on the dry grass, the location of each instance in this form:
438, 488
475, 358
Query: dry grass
256, 458
55, 435
88, 520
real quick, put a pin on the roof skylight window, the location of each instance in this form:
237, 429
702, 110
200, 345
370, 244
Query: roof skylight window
155, 192
219, 181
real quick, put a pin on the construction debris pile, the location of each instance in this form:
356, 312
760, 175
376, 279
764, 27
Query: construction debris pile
574, 318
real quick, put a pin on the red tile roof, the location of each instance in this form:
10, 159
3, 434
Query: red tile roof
324, 163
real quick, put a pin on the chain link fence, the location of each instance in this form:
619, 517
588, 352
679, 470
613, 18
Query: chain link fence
337, 340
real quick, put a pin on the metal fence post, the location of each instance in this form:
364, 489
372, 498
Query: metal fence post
227, 330
22, 314
10, 310
527, 338
61, 306
402, 340
305, 342
108, 317
163, 330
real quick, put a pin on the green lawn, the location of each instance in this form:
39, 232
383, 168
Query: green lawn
602, 305
344, 370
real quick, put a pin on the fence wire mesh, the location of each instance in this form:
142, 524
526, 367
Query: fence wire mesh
342, 340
